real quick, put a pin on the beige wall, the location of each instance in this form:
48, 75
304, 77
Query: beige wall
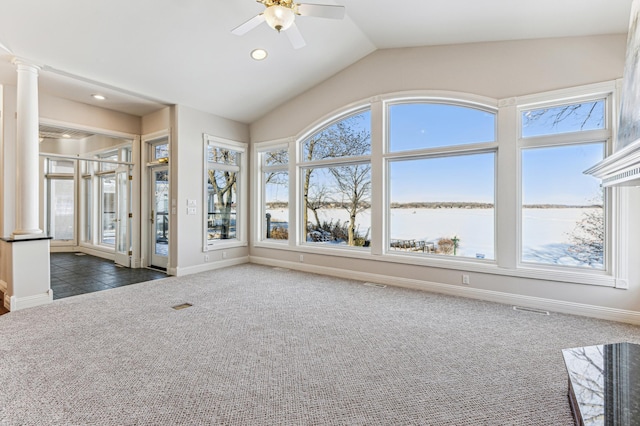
187, 182
88, 145
157, 121
84, 115
496, 70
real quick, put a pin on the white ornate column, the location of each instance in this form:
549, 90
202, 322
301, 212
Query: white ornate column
25, 256
27, 161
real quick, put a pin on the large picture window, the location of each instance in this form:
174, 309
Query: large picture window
442, 194
454, 181
443, 205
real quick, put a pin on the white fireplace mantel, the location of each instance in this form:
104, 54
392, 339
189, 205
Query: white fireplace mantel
619, 169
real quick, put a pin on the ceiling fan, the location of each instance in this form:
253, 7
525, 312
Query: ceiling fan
281, 14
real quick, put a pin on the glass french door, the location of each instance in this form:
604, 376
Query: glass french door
122, 220
159, 220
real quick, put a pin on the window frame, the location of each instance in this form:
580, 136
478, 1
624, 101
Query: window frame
604, 136
301, 163
49, 177
240, 239
507, 194
390, 156
259, 151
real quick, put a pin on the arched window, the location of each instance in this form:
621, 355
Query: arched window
441, 179
336, 182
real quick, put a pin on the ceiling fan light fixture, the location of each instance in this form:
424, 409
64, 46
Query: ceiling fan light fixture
279, 18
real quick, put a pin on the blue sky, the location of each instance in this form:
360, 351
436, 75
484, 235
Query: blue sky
549, 175
554, 175
459, 178
415, 126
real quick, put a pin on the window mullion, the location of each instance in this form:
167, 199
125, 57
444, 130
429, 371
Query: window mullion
345, 161
507, 193
444, 152
566, 138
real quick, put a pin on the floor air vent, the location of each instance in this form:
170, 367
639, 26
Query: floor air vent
182, 306
375, 285
80, 254
534, 310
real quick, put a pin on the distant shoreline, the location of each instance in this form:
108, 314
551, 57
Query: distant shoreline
444, 205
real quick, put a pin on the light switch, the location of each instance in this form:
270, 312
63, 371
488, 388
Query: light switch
191, 203
191, 210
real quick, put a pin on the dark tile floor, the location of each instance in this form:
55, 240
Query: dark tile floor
73, 274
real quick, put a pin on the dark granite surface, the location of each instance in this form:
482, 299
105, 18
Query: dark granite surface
604, 384
18, 240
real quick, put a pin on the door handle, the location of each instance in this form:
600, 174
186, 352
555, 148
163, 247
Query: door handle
152, 219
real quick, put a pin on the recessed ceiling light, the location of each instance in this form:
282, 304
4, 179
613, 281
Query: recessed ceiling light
258, 54
66, 136
98, 97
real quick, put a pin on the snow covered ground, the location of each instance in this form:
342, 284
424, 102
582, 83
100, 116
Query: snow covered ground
545, 231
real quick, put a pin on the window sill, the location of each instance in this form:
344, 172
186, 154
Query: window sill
221, 245
596, 278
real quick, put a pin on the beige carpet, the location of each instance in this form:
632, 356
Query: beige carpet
262, 346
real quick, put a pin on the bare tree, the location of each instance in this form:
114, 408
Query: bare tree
352, 183
316, 200
581, 113
588, 238
224, 187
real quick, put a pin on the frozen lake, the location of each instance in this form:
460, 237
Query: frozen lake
545, 231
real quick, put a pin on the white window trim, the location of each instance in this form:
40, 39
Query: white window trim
602, 91
509, 144
242, 197
257, 214
47, 204
388, 156
300, 164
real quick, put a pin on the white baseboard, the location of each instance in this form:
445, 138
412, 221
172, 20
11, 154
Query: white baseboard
601, 312
179, 272
14, 303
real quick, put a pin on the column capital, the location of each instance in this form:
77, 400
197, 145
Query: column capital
25, 64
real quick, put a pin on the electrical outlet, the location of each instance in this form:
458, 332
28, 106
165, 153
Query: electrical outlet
465, 279
206, 257
301, 258
224, 254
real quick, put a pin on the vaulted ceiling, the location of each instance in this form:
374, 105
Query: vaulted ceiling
143, 54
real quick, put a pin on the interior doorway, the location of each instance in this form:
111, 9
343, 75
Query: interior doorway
88, 192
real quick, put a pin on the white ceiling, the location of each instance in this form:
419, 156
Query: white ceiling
147, 53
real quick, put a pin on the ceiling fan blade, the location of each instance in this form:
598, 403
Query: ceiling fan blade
321, 11
295, 37
249, 25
